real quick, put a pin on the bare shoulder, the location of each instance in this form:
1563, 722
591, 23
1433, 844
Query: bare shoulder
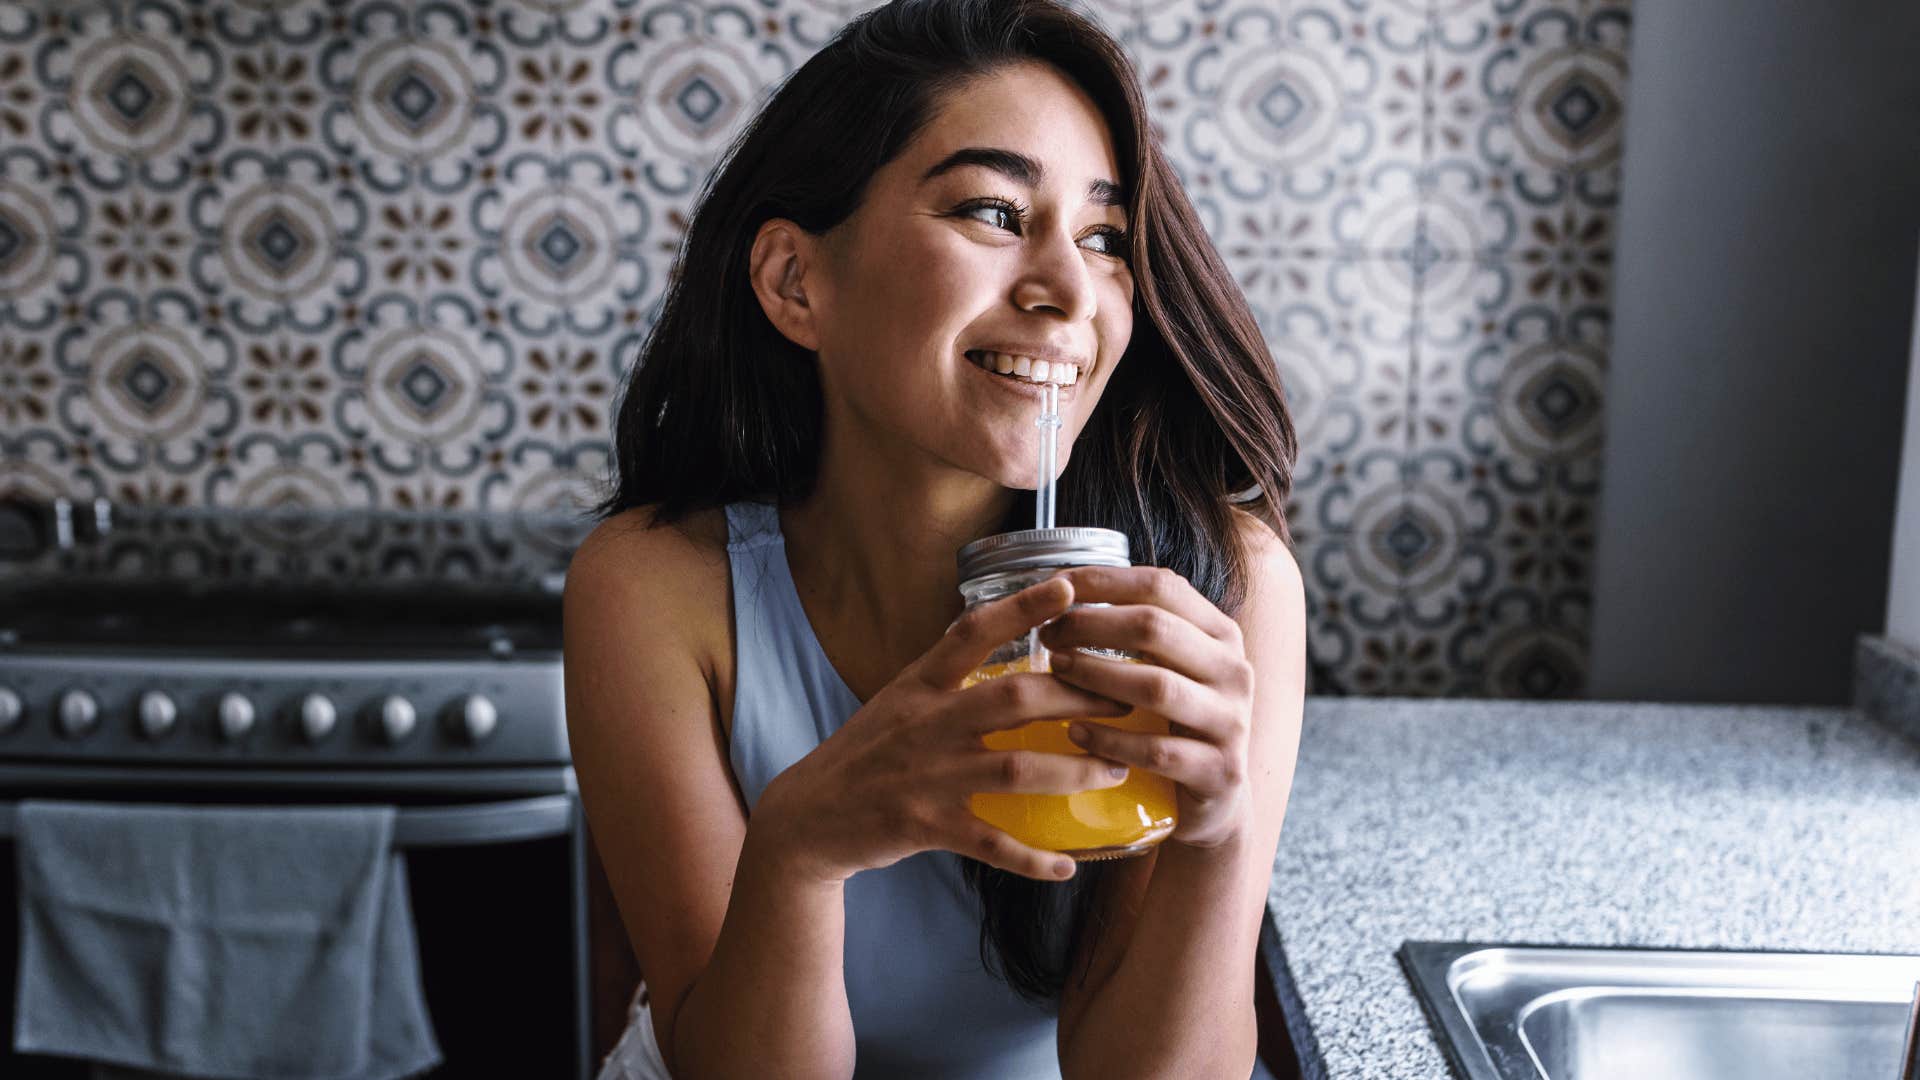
637, 575
1273, 572
635, 545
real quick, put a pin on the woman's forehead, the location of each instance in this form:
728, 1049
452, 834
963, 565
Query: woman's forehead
1030, 112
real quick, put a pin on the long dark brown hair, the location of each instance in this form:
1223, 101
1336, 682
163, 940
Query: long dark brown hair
720, 406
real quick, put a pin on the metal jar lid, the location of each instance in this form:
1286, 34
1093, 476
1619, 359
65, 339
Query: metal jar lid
1031, 549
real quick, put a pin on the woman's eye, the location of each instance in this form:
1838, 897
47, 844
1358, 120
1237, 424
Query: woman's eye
993, 208
1116, 242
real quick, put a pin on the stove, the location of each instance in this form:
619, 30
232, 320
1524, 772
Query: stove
282, 639
289, 656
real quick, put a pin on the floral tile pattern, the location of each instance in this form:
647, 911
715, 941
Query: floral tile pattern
398, 255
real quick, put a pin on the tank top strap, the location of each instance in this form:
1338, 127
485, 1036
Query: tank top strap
787, 696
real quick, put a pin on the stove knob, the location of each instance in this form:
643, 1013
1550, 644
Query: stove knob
473, 718
395, 720
236, 716
79, 714
157, 714
12, 710
317, 717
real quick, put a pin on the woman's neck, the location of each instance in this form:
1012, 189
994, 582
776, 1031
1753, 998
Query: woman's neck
872, 555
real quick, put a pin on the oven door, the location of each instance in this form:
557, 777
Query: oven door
496, 875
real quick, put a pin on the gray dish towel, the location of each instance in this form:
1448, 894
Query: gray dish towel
269, 942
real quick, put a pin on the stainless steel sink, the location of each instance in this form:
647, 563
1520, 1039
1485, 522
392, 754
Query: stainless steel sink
1519, 1012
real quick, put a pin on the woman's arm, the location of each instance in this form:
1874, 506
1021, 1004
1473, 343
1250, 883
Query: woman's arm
1167, 988
742, 953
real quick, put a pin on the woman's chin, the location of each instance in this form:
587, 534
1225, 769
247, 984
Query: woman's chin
1021, 479
1013, 467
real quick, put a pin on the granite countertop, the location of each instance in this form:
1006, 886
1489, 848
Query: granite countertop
1741, 827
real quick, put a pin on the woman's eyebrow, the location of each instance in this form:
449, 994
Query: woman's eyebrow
1021, 169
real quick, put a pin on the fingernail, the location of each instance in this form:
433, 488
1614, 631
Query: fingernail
1118, 772
1063, 868
1078, 733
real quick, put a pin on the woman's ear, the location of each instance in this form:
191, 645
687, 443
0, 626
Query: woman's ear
782, 255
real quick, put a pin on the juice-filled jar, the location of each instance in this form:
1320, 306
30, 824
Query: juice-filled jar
1108, 823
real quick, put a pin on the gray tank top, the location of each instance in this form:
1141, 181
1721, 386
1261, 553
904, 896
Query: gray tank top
922, 1004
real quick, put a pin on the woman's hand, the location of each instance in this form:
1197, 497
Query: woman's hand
1197, 676
897, 778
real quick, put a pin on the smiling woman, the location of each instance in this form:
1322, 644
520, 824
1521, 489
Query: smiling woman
952, 203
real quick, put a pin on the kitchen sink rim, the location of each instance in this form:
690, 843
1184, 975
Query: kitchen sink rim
1430, 967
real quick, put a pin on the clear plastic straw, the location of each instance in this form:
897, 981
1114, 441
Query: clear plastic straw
1049, 425
1043, 496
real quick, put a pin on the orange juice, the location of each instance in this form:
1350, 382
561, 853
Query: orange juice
1106, 823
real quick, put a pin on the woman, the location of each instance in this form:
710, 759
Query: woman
763, 657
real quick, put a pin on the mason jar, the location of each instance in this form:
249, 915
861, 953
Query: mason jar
1107, 823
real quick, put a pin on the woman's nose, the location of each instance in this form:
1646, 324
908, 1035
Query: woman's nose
1056, 277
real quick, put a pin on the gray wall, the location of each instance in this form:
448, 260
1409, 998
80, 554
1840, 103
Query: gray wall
1764, 293
1903, 592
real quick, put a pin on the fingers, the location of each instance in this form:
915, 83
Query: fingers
1160, 635
978, 840
1149, 687
1012, 700
1037, 772
1199, 767
1151, 585
981, 629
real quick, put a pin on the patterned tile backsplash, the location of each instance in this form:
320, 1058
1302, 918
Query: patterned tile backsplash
397, 254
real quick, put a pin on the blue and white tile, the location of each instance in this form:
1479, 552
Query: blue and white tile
423, 399
542, 479
1304, 106
1537, 648
414, 108
264, 469
37, 230
39, 466
1515, 103
1524, 387
121, 90
1398, 185
1344, 363
1344, 611
682, 91
1483, 50
1606, 24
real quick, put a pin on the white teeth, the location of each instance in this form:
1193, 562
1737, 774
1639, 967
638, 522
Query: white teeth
1026, 367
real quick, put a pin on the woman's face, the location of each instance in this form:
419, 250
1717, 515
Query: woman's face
955, 251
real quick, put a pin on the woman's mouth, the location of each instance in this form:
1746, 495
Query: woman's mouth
1022, 369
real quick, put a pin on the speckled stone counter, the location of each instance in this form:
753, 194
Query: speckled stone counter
1577, 823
